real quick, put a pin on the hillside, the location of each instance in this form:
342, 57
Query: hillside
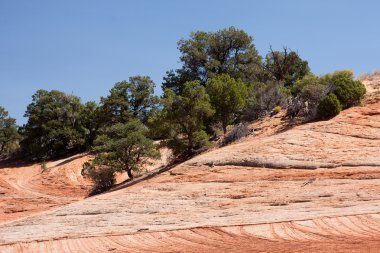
314, 186
25, 190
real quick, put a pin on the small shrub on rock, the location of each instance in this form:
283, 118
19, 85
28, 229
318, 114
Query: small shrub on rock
305, 103
264, 98
277, 109
348, 91
44, 167
239, 131
329, 107
103, 177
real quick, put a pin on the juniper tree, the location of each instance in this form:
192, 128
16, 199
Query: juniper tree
124, 147
227, 96
186, 114
9, 136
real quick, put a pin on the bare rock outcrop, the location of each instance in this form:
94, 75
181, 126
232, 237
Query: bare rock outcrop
349, 140
313, 187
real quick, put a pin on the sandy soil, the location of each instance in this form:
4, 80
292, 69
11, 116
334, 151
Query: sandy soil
311, 188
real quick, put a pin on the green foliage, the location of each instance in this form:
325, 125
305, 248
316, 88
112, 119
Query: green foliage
228, 96
348, 91
307, 93
54, 124
9, 137
263, 98
91, 119
142, 98
124, 147
308, 80
329, 107
116, 107
201, 140
277, 109
159, 127
185, 115
206, 54
286, 66
133, 99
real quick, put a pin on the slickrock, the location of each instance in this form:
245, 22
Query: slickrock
28, 190
349, 140
314, 187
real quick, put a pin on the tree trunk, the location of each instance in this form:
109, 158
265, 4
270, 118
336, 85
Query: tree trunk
130, 175
224, 126
190, 145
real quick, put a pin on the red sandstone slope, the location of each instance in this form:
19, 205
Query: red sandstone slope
313, 187
25, 190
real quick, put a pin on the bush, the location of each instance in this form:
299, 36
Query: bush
239, 131
307, 93
309, 80
277, 109
329, 107
348, 91
103, 177
266, 97
44, 167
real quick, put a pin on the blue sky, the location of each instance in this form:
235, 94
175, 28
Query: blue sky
84, 47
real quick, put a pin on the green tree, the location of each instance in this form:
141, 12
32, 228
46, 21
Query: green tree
329, 107
132, 99
124, 147
186, 114
116, 107
286, 66
91, 120
204, 55
9, 137
348, 91
54, 124
159, 127
227, 96
142, 98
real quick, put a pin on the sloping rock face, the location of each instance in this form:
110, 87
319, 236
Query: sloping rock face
26, 190
349, 140
372, 83
314, 187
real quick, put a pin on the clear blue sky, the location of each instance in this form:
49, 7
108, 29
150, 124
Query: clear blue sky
84, 47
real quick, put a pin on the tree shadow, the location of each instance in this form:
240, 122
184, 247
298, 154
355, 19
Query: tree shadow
69, 159
290, 123
130, 182
23, 161
15, 163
